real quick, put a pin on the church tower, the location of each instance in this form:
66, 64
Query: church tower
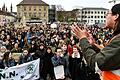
11, 8
3, 8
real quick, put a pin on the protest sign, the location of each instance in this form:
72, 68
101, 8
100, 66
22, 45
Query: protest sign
26, 71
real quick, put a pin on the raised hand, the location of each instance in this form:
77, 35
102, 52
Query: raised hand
78, 32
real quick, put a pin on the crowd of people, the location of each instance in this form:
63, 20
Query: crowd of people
54, 46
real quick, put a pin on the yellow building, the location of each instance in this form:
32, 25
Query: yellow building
33, 9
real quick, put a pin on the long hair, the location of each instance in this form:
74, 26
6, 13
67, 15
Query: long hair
6, 56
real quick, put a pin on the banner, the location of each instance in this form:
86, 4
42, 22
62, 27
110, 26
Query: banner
26, 71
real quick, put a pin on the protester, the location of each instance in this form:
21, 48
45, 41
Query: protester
107, 60
76, 64
48, 62
58, 60
3, 49
8, 60
25, 57
33, 46
40, 53
66, 57
20, 41
16, 49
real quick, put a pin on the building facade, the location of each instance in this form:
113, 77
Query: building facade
6, 17
33, 9
92, 15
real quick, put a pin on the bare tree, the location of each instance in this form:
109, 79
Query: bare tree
60, 8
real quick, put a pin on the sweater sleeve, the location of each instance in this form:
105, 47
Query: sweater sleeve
55, 62
107, 58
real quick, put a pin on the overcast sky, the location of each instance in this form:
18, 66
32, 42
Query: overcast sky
67, 4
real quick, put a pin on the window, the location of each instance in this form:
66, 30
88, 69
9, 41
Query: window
85, 12
88, 12
101, 16
39, 9
91, 16
101, 21
98, 16
29, 8
95, 21
91, 12
39, 14
95, 16
34, 14
44, 14
44, 8
34, 8
82, 16
25, 14
104, 20
30, 15
101, 12
88, 16
24, 8
95, 12
104, 12
82, 12
98, 12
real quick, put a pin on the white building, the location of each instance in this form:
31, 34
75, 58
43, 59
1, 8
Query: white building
6, 17
92, 15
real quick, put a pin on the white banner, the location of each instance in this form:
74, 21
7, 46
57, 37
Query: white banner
26, 71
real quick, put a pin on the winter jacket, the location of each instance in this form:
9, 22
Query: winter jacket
107, 59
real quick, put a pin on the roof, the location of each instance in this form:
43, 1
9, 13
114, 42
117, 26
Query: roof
94, 8
32, 2
6, 13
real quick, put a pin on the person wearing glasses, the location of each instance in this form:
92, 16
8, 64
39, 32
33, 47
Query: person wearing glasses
58, 60
108, 59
